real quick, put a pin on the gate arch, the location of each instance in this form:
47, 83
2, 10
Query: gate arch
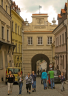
39, 57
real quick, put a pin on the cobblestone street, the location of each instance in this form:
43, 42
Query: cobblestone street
39, 91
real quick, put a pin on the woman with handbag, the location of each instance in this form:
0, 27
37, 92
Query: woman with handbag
20, 82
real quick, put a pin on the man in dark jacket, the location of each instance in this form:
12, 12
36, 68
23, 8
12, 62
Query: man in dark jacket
34, 81
10, 82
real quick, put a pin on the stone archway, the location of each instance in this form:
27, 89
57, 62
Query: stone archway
39, 57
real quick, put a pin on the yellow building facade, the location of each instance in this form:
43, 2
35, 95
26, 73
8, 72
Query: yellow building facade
17, 24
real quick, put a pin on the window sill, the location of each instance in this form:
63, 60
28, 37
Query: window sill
62, 44
8, 41
1, 68
56, 46
48, 44
19, 34
40, 45
30, 44
3, 39
15, 33
59, 45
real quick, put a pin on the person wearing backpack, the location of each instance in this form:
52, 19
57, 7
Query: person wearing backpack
44, 77
29, 81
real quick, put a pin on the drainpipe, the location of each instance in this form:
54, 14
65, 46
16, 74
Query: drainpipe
22, 50
66, 50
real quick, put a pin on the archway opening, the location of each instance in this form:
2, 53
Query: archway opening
39, 57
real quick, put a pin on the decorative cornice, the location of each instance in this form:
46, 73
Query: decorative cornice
8, 26
2, 10
37, 49
3, 22
38, 32
60, 52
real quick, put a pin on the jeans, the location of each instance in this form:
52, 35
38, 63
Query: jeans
34, 84
52, 83
20, 87
44, 83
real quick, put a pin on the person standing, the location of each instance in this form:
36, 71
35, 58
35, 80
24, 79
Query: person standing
44, 77
29, 81
34, 81
51, 73
62, 81
10, 82
20, 82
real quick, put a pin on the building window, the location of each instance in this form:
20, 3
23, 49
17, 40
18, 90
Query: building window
29, 40
21, 48
58, 41
1, 60
65, 37
62, 38
7, 35
63, 61
12, 25
18, 29
6, 8
2, 32
39, 40
5, 54
2, 3
15, 28
49, 40
16, 47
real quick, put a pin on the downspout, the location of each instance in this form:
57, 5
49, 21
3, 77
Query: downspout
66, 49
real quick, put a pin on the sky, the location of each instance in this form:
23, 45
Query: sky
50, 7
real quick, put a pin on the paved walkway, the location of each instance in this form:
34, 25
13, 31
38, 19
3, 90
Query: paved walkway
39, 92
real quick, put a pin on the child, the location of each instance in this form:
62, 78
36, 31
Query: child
62, 81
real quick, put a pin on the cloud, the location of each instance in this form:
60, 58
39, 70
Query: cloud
52, 7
